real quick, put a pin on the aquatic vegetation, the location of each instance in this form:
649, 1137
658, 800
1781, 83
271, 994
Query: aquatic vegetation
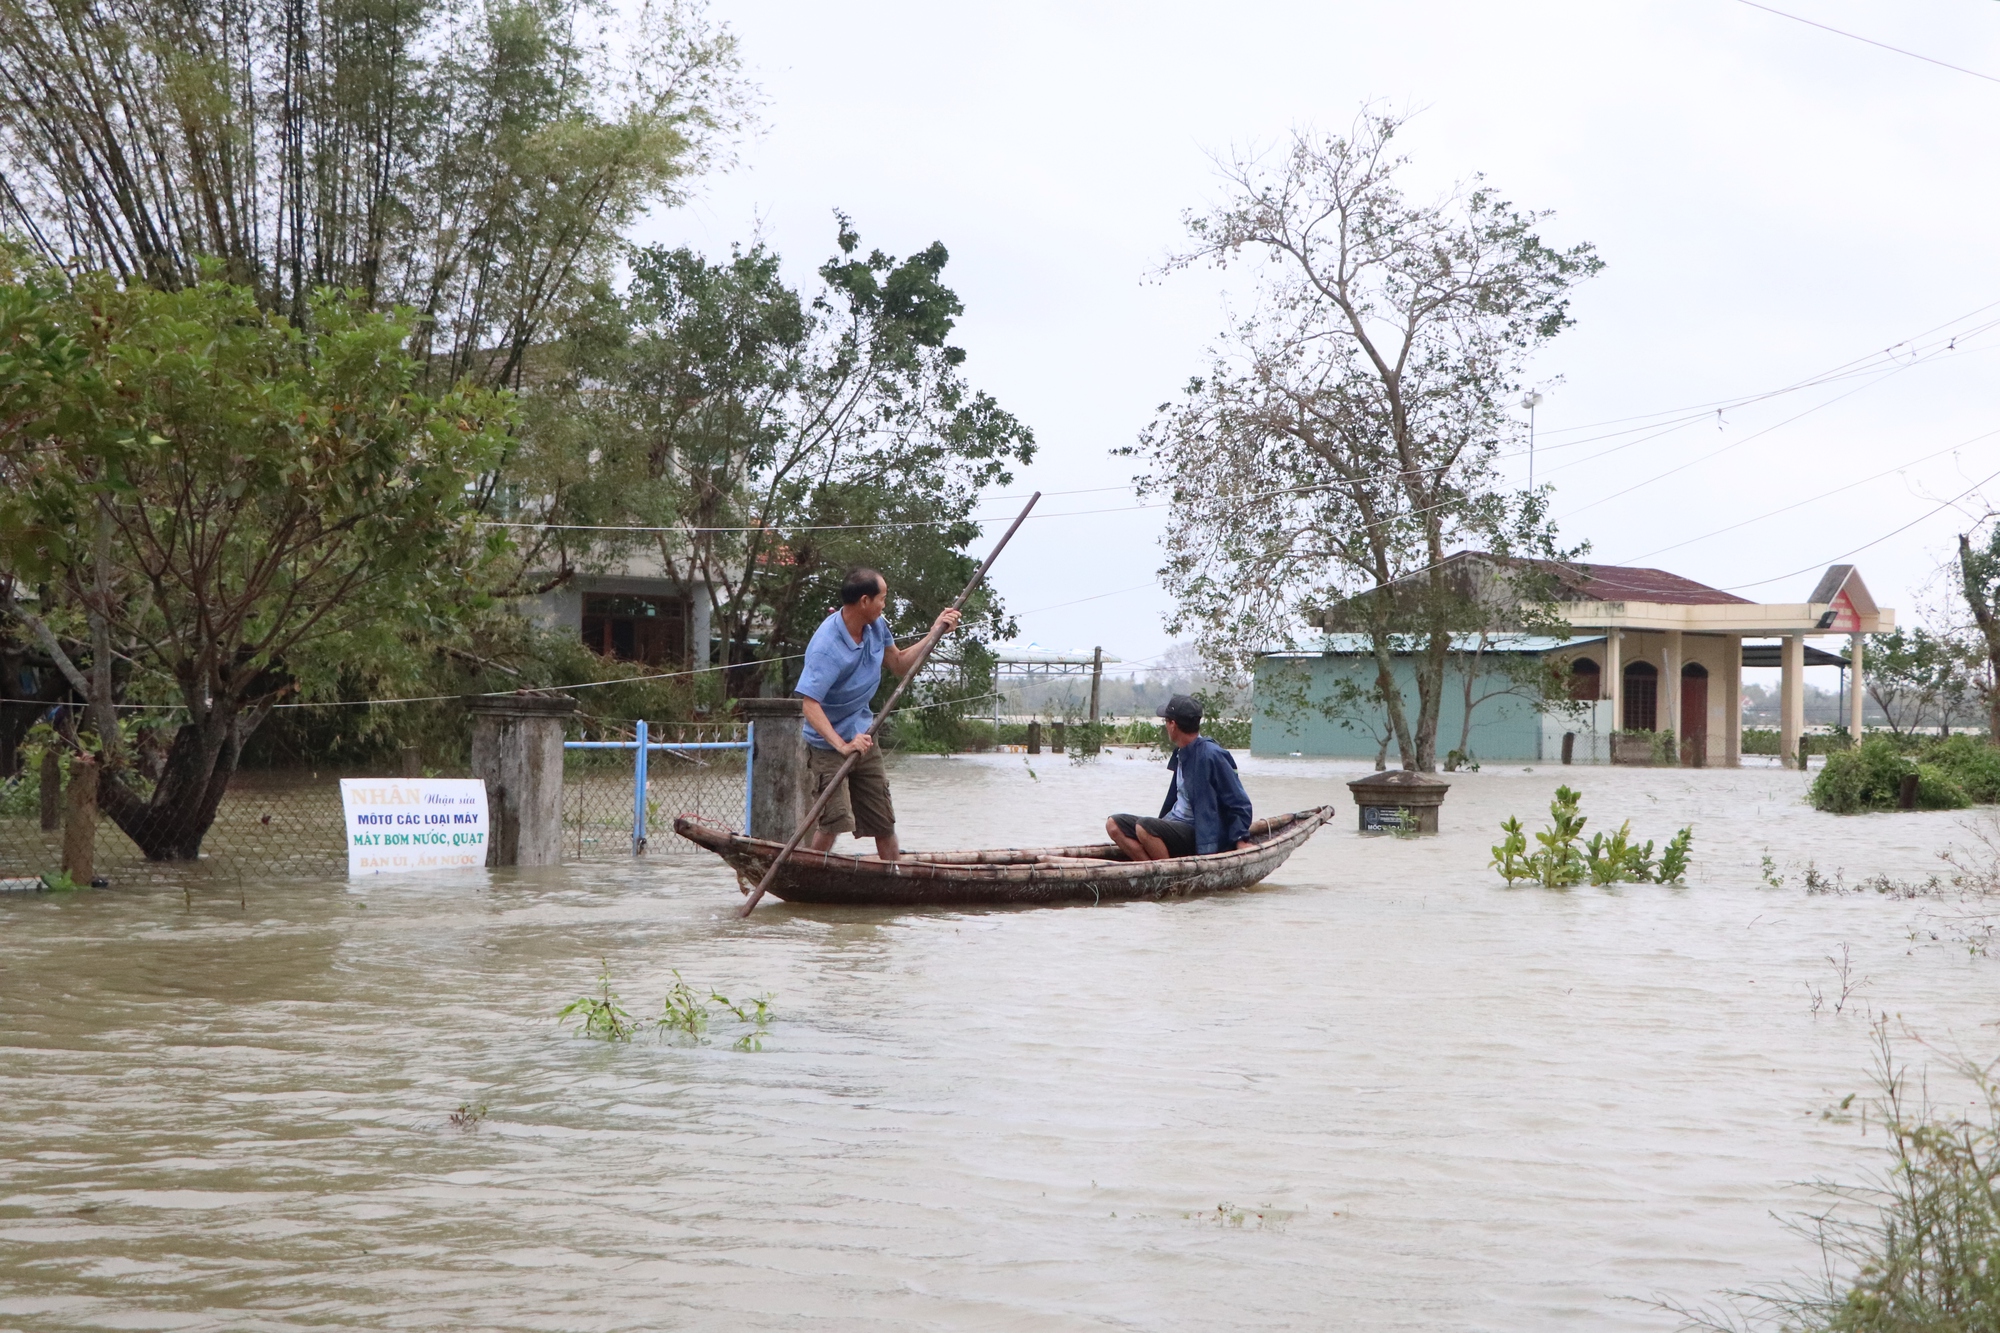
1911, 1249
601, 1016
1769, 869
684, 1014
1843, 968
467, 1116
1563, 858
1977, 868
755, 1011
682, 1011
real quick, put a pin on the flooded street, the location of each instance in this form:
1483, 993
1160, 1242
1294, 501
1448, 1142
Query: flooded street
1382, 1091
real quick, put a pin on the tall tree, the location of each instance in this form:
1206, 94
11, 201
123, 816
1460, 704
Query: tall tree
204, 512
766, 442
474, 160
1979, 581
1346, 434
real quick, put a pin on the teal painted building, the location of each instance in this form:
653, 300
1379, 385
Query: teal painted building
1294, 712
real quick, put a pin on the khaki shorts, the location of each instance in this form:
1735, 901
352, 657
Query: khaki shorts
861, 805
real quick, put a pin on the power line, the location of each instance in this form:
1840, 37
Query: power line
1842, 32
1815, 499
1821, 564
1733, 444
1650, 422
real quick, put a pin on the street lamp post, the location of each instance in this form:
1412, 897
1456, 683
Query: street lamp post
1530, 402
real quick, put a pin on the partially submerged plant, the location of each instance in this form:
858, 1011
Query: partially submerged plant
600, 1015
684, 1014
683, 1011
755, 1011
1564, 859
1913, 1248
467, 1116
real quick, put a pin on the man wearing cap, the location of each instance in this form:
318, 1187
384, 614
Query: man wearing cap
1206, 809
843, 669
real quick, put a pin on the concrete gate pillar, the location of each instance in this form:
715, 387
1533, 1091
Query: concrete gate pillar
778, 776
517, 744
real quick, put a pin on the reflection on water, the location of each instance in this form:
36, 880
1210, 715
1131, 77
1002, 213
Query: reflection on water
1379, 1092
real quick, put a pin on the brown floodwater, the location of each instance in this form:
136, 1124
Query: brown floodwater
1382, 1091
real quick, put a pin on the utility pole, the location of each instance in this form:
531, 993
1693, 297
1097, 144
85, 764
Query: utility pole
1530, 402
1096, 679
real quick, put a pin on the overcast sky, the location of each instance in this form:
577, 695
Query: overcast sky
1772, 201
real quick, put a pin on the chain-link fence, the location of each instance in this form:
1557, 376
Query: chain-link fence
600, 787
282, 823
272, 823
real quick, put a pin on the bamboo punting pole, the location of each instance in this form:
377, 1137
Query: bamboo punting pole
826, 794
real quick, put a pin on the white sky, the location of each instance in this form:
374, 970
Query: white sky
1772, 201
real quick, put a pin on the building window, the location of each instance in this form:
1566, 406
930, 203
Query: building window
1585, 680
1642, 697
635, 629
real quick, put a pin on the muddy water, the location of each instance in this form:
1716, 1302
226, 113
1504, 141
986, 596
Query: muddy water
1381, 1092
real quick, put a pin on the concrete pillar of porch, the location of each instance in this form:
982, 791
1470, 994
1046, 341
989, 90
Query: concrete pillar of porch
1670, 687
1614, 682
1792, 699
517, 748
1857, 685
1732, 704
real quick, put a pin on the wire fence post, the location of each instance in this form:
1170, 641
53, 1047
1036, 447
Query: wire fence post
749, 757
639, 788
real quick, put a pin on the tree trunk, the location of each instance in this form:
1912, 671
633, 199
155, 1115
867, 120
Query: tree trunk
171, 823
1970, 567
1392, 696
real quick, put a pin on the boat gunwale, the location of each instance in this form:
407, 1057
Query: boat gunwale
1275, 836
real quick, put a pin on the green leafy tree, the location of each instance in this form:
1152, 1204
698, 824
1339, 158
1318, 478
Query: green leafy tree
766, 442
204, 511
1918, 678
474, 161
1979, 580
1345, 436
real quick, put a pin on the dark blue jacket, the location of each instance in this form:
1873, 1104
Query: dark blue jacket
1221, 806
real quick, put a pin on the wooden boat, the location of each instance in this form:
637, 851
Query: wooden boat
1036, 876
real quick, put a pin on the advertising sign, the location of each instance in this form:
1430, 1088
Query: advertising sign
399, 824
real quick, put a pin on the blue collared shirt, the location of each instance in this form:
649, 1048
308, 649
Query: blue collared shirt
842, 676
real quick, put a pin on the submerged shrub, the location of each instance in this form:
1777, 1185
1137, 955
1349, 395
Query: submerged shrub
1870, 777
1563, 858
1971, 762
1917, 1248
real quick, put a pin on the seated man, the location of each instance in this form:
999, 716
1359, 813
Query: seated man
1206, 809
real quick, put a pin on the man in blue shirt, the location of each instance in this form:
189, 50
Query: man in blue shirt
1206, 809
843, 669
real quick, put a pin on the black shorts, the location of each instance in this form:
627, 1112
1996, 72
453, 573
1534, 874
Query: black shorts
1178, 837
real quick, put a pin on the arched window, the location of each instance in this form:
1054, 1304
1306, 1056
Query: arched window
1642, 697
1585, 680
1694, 671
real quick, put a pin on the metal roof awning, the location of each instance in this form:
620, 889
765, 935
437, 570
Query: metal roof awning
1772, 655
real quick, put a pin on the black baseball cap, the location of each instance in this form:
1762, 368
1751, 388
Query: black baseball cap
1182, 708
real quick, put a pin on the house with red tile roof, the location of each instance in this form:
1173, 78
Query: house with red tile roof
1647, 651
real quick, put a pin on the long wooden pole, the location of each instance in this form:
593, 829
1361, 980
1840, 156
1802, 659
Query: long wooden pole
854, 756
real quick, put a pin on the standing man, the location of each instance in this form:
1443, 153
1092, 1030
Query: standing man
844, 662
1206, 809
